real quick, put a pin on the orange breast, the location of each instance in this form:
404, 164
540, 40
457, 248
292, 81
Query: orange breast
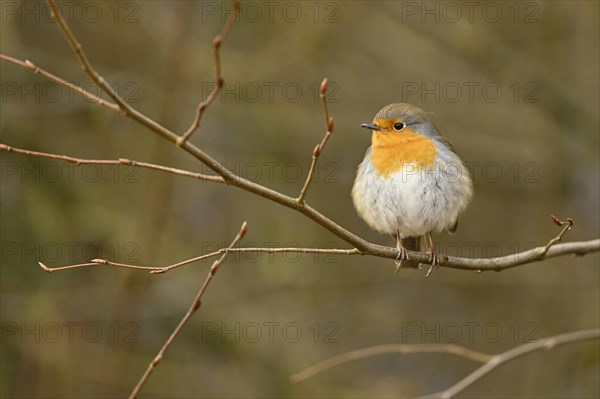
391, 150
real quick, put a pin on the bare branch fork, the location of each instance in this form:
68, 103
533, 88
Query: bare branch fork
359, 244
490, 362
192, 309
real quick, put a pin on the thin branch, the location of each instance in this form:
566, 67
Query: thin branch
567, 226
217, 41
319, 147
57, 269
160, 269
532, 255
152, 269
258, 250
120, 161
164, 269
333, 251
192, 309
365, 247
83, 60
39, 71
384, 350
543, 344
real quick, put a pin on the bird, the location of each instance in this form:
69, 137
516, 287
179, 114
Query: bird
411, 183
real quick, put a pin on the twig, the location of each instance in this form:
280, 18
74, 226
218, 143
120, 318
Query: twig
319, 147
567, 226
56, 269
333, 251
164, 269
192, 309
217, 41
543, 344
83, 60
153, 269
120, 161
384, 350
39, 71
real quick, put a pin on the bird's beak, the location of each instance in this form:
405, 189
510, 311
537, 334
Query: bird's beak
371, 126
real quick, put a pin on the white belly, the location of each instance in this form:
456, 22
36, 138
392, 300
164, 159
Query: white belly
410, 201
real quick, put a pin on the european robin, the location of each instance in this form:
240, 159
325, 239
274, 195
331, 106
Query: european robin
411, 183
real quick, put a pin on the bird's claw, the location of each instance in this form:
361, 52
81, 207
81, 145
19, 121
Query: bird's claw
402, 256
433, 261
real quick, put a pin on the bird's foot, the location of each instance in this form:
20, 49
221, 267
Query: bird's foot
433, 261
402, 256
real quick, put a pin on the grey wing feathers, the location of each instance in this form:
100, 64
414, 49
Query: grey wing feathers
446, 142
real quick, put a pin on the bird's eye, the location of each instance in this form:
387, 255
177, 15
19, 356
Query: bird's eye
398, 126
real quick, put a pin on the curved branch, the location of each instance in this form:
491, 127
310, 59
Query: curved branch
543, 344
537, 254
490, 362
385, 350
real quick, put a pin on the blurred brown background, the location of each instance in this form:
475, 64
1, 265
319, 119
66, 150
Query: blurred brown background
513, 84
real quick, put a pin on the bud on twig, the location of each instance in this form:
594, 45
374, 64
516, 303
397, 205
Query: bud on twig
317, 150
323, 87
217, 41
